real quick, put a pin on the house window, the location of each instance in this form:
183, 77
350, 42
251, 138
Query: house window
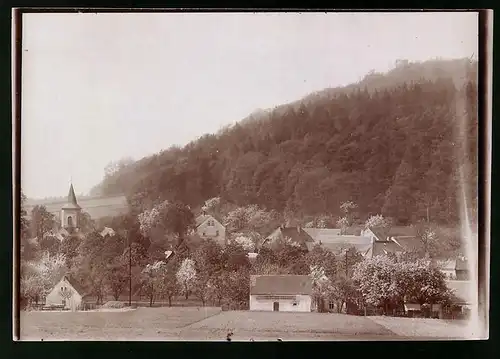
217, 233
211, 223
70, 221
331, 305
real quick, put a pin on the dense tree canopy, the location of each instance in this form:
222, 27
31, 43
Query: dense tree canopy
390, 144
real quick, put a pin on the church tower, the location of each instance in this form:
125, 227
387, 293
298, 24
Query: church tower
70, 212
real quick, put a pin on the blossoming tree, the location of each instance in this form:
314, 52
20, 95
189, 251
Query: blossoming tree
186, 276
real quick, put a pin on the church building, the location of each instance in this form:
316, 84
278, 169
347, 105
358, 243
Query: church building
71, 212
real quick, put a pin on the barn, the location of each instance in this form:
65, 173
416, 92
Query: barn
281, 293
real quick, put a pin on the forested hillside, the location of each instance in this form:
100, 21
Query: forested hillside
393, 144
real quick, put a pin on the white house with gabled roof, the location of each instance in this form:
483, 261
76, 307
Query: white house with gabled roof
281, 293
208, 227
67, 293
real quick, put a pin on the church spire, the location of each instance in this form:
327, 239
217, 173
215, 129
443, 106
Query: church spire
71, 195
72, 202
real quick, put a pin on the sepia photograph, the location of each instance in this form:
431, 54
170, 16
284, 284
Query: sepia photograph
249, 176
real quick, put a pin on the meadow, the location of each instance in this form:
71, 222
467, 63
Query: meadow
208, 323
96, 207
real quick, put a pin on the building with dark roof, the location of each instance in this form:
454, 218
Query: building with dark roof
393, 240
332, 240
295, 235
385, 234
369, 242
455, 269
281, 293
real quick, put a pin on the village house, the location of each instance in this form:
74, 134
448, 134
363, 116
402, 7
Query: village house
369, 242
281, 293
462, 269
454, 269
252, 257
393, 240
107, 231
295, 235
54, 233
464, 298
448, 268
208, 227
332, 240
67, 294
387, 234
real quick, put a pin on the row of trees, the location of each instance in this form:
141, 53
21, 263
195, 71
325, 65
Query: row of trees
383, 282
194, 267
210, 273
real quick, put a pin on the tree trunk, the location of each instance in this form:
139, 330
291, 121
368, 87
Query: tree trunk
151, 300
169, 300
186, 291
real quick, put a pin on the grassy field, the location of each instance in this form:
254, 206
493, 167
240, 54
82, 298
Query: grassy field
97, 207
418, 327
170, 324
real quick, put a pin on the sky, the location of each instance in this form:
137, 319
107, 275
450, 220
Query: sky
100, 87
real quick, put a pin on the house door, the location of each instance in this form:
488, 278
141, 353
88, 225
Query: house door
276, 307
